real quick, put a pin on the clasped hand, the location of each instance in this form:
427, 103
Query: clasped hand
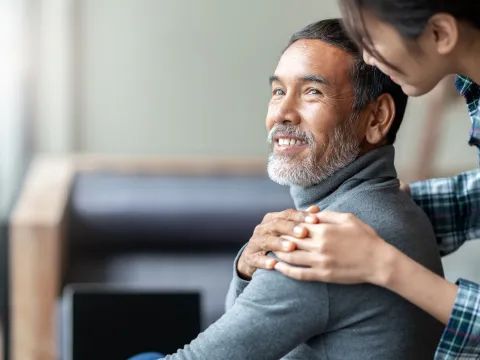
317, 246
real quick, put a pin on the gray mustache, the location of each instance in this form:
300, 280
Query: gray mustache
293, 131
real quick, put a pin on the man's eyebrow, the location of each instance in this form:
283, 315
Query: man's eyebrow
273, 78
316, 78
311, 78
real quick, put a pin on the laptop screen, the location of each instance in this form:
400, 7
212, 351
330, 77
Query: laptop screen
101, 323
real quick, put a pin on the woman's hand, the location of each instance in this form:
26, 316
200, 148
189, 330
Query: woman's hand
343, 249
267, 237
340, 249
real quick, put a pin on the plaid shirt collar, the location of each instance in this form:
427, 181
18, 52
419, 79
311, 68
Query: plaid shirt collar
471, 91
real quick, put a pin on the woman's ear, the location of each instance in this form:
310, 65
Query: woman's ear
380, 119
445, 32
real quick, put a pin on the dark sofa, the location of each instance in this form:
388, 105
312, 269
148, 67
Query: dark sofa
172, 224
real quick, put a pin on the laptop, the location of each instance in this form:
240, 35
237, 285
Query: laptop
109, 322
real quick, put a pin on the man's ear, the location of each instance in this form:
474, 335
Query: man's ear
380, 119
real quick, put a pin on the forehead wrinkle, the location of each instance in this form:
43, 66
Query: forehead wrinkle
333, 64
314, 57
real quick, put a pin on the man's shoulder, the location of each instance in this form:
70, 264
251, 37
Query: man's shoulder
375, 203
383, 206
280, 293
396, 218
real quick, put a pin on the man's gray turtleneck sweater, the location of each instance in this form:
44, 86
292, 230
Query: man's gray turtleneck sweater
273, 316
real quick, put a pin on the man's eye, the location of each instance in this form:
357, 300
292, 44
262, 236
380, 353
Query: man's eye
313, 92
278, 92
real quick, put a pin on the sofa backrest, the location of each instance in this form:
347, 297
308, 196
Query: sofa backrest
201, 212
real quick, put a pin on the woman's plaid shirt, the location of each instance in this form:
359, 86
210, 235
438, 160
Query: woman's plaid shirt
453, 206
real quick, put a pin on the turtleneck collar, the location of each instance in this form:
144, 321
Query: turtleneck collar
375, 166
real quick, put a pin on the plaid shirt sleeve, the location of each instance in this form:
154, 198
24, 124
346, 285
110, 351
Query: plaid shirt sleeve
453, 207
461, 337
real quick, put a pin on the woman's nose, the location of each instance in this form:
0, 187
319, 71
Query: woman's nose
369, 59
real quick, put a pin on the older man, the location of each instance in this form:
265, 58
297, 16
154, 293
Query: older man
332, 121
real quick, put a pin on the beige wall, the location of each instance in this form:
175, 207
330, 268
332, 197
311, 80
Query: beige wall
54, 46
14, 77
453, 154
182, 76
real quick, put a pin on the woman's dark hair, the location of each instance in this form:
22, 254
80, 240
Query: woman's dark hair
368, 82
408, 17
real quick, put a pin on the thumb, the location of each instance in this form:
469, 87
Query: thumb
332, 217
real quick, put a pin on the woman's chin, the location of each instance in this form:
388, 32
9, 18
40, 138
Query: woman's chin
414, 91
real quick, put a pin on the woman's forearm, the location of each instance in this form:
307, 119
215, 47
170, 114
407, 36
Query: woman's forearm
417, 284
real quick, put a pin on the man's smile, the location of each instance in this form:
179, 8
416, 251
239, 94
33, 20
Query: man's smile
289, 145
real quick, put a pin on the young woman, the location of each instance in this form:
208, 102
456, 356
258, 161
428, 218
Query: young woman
417, 43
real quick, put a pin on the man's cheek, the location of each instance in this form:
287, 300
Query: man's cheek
333, 108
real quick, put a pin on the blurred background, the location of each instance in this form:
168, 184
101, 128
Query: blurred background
170, 79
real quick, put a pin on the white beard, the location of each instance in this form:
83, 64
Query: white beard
285, 170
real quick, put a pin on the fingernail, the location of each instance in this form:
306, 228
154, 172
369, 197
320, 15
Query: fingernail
279, 266
269, 263
286, 245
298, 230
309, 219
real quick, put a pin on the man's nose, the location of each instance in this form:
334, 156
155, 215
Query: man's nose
288, 112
